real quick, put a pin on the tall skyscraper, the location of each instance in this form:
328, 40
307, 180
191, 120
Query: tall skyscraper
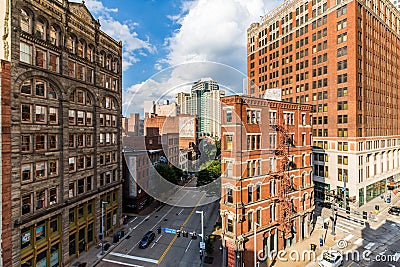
343, 58
61, 132
204, 102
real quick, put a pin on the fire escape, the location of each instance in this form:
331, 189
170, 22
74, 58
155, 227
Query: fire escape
286, 186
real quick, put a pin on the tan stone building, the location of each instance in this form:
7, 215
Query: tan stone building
61, 131
343, 58
262, 142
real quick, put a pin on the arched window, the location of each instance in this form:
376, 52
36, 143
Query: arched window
109, 103
71, 44
25, 21
81, 97
54, 35
81, 48
102, 58
40, 29
90, 53
108, 62
115, 65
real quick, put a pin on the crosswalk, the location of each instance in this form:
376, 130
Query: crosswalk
348, 226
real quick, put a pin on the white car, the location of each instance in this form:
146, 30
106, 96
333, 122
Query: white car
331, 259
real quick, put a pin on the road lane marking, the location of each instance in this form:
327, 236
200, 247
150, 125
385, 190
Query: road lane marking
133, 257
134, 219
347, 238
184, 223
153, 245
370, 245
180, 212
133, 247
148, 216
344, 230
158, 238
122, 263
359, 241
188, 245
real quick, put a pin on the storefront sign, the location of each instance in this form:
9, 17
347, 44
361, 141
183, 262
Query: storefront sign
231, 254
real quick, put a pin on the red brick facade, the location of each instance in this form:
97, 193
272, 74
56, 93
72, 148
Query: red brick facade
251, 158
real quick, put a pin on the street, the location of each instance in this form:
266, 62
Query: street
166, 249
374, 244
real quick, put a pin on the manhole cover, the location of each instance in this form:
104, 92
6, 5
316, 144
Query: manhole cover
128, 237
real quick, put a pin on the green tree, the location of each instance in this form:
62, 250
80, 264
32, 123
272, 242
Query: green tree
167, 173
209, 171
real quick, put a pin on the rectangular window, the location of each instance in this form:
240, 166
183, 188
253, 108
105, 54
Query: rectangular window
53, 62
71, 163
40, 58
80, 117
25, 53
26, 115
71, 118
40, 169
228, 142
26, 172
53, 199
26, 204
40, 203
26, 143
53, 115
53, 167
40, 114
249, 193
229, 115
230, 195
40, 142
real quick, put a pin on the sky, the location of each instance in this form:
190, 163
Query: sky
168, 45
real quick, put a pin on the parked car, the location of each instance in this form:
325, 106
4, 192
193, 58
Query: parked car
394, 210
331, 259
147, 239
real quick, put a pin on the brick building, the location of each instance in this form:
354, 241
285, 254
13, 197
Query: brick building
343, 58
61, 131
252, 154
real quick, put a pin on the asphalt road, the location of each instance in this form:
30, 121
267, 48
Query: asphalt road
166, 249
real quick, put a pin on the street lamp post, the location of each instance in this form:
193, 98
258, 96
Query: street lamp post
102, 226
255, 243
202, 234
333, 215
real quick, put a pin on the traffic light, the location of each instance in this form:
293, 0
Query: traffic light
185, 233
159, 230
178, 233
194, 235
365, 215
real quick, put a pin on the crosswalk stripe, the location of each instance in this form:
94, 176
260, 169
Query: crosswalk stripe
370, 245
345, 226
347, 238
359, 241
344, 230
353, 224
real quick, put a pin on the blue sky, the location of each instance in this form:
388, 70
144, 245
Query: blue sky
170, 44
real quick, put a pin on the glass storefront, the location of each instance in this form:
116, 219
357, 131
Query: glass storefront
320, 189
40, 243
361, 197
376, 189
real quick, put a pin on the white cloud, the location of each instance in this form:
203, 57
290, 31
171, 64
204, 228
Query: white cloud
209, 30
133, 45
214, 30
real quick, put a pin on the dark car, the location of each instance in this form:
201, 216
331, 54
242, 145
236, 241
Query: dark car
146, 240
394, 211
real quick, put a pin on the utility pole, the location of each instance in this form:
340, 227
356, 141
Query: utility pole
102, 226
333, 214
202, 235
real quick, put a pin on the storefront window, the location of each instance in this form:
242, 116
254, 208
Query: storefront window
26, 238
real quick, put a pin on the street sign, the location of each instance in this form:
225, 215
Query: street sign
202, 245
343, 189
169, 231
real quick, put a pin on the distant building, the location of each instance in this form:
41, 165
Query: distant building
167, 109
133, 126
257, 134
204, 102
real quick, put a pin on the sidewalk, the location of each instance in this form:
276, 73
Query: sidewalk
93, 256
216, 256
